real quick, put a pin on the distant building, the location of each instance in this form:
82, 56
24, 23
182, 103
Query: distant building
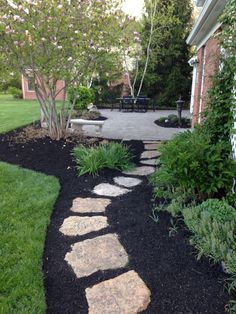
29, 92
206, 62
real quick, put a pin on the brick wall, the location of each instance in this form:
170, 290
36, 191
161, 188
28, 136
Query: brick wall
208, 65
28, 94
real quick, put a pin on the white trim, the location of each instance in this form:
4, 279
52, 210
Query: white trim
209, 35
193, 62
23, 85
207, 19
202, 84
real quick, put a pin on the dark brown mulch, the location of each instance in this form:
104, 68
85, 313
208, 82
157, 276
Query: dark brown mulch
170, 124
178, 282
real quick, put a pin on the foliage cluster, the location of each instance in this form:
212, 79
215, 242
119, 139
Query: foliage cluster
192, 169
15, 92
84, 96
213, 225
54, 40
112, 155
173, 118
168, 73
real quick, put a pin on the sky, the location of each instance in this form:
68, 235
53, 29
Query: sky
133, 7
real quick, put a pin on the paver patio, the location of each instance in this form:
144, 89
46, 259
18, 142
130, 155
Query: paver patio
135, 125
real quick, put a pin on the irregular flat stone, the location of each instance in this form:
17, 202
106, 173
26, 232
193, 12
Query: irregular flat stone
151, 142
152, 146
127, 182
151, 162
106, 189
101, 253
141, 171
74, 225
150, 154
125, 294
90, 205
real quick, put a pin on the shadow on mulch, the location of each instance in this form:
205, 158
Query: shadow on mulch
178, 282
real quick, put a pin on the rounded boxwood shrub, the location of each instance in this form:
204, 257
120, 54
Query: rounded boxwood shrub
85, 96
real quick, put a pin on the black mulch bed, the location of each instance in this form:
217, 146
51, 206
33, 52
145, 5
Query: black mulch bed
170, 124
178, 282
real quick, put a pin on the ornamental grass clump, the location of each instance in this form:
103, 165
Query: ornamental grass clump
92, 159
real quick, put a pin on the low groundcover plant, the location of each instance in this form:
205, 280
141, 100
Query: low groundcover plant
92, 159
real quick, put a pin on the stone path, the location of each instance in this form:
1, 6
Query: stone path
124, 294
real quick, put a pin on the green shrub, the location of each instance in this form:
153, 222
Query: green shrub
85, 96
213, 224
192, 169
162, 119
173, 118
112, 155
15, 92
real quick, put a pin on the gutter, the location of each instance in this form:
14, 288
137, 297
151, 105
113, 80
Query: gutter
211, 7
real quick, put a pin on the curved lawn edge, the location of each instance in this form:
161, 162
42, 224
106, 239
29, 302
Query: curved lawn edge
26, 203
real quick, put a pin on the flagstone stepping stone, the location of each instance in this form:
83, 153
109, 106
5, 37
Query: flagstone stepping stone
141, 171
90, 205
152, 146
151, 142
106, 189
151, 162
101, 253
125, 294
74, 225
150, 154
127, 182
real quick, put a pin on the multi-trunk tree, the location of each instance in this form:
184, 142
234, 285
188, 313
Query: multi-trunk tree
52, 40
168, 74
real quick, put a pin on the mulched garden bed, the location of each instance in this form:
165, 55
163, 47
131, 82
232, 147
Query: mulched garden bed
170, 124
178, 282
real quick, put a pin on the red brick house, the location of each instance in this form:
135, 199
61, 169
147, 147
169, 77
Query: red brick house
206, 62
29, 92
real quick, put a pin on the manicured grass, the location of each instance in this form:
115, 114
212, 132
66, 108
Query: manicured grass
26, 202
15, 113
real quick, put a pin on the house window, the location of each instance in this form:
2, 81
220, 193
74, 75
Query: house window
31, 84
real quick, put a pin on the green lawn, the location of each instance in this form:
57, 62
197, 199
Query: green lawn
26, 203
15, 113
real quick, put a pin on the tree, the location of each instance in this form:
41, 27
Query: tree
168, 73
53, 40
155, 21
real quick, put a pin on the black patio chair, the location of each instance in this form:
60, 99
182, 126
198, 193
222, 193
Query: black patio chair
128, 103
142, 103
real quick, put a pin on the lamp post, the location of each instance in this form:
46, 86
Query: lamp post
179, 105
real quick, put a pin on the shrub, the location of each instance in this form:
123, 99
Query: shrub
213, 224
87, 115
15, 92
192, 169
163, 119
173, 118
112, 155
85, 96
